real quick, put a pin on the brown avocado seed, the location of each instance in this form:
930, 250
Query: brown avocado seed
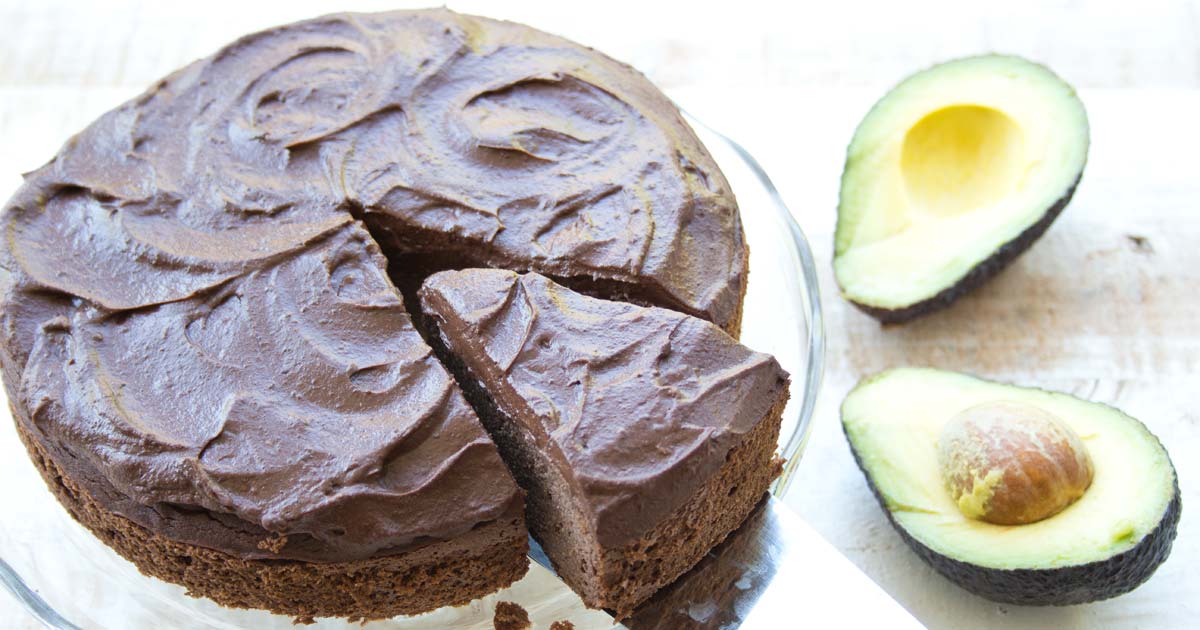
1011, 463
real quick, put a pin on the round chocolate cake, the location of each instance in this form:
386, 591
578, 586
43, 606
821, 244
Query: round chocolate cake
206, 345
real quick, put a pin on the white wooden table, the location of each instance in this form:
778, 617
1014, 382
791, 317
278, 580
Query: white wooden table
1107, 305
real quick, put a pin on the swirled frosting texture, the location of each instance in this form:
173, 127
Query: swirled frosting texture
639, 406
193, 314
520, 148
295, 396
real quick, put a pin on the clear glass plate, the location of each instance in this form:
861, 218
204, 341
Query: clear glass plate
67, 578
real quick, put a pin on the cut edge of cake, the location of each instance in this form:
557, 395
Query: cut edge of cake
618, 578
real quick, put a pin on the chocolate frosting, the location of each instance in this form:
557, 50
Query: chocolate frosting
194, 318
296, 396
639, 406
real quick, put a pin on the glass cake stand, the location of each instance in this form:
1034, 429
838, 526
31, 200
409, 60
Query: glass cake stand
68, 579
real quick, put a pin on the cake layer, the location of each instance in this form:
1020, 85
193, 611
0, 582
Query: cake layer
201, 344
288, 412
641, 436
146, 323
437, 573
637, 407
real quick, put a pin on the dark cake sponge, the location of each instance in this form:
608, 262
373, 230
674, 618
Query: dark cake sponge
446, 573
567, 384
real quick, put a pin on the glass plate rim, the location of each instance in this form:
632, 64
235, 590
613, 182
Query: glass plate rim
814, 351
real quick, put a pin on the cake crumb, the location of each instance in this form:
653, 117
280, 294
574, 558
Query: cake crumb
1141, 244
273, 544
562, 624
510, 616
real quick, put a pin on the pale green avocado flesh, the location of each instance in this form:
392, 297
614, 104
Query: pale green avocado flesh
946, 169
893, 419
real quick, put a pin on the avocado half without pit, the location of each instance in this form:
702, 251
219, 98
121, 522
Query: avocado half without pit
951, 175
1020, 495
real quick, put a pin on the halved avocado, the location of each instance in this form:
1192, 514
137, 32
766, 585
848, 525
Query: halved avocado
951, 175
1104, 544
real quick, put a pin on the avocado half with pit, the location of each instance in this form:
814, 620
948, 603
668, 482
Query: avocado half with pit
950, 176
1098, 543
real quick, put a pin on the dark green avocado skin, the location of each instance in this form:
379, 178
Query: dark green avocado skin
1063, 586
980, 274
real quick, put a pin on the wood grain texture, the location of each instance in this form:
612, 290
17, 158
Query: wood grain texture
1105, 306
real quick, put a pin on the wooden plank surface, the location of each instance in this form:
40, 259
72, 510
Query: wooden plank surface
1105, 306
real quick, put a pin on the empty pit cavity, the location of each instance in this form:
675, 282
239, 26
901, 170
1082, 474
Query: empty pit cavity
961, 158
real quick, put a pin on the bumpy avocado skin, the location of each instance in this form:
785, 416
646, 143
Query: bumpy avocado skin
1063, 586
980, 274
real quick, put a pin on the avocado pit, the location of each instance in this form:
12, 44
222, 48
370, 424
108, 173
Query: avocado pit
1010, 463
1106, 543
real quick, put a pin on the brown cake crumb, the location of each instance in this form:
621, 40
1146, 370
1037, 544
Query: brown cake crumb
510, 616
273, 544
487, 558
562, 624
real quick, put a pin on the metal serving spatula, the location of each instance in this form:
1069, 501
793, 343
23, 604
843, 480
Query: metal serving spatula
774, 572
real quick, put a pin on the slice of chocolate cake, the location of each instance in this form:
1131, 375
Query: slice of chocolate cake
641, 435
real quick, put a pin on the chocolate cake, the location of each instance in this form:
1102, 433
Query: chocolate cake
210, 365
281, 438
642, 436
510, 616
